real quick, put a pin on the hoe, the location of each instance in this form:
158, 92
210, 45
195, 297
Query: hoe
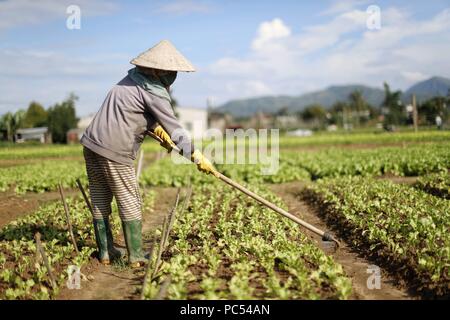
327, 239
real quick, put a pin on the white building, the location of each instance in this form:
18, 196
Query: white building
41, 134
194, 120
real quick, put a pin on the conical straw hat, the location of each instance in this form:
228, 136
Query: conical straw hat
163, 56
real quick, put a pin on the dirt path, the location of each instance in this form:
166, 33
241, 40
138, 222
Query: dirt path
399, 180
351, 146
120, 282
354, 264
13, 206
5, 163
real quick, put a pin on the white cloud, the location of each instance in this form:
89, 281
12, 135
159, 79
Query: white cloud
321, 36
249, 88
30, 75
17, 13
182, 7
414, 76
340, 6
280, 61
45, 64
341, 51
270, 30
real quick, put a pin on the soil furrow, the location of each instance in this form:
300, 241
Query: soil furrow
120, 282
356, 266
13, 206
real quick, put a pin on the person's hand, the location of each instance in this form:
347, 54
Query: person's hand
203, 164
164, 136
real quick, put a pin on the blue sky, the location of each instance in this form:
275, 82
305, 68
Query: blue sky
240, 48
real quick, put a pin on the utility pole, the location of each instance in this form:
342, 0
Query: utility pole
415, 114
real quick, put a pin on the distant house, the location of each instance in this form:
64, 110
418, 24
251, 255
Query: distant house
194, 120
41, 134
74, 135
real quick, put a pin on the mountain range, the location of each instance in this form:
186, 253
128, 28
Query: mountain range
435, 86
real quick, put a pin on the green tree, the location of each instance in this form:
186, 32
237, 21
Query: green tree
283, 111
36, 116
393, 109
11, 122
338, 113
433, 107
62, 118
359, 107
315, 114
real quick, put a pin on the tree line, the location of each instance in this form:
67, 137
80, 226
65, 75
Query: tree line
59, 118
357, 112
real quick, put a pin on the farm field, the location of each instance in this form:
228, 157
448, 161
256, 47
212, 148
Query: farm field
404, 227
223, 245
36, 151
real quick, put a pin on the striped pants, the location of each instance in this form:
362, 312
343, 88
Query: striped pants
107, 179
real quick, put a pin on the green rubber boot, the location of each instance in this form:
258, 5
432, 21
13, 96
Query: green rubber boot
132, 231
114, 252
105, 242
102, 240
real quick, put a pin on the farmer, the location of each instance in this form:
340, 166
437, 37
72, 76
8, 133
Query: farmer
139, 103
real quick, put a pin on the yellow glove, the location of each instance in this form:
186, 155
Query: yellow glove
166, 141
203, 164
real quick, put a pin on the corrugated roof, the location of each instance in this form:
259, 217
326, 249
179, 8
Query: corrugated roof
32, 130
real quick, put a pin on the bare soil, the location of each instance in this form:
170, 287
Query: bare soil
149, 157
350, 146
120, 282
400, 180
13, 206
4, 163
353, 262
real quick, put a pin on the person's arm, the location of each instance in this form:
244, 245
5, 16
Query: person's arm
162, 112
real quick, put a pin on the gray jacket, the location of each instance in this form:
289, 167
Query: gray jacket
118, 129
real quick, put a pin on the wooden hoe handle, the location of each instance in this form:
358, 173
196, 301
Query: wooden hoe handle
325, 235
